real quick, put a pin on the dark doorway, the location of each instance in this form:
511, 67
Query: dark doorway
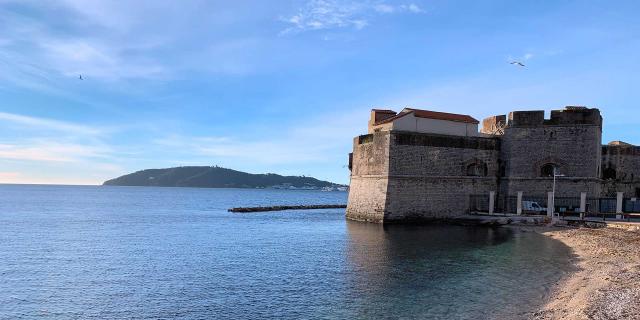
609, 174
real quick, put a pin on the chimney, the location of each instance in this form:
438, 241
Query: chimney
378, 115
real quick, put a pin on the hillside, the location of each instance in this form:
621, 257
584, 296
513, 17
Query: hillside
216, 177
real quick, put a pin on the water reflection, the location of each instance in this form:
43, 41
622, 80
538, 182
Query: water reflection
450, 271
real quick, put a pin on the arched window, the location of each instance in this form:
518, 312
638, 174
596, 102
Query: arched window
609, 173
477, 170
548, 170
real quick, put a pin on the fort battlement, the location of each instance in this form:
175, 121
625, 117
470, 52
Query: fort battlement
420, 165
568, 116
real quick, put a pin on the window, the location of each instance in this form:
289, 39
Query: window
367, 138
637, 192
609, 174
548, 170
503, 170
477, 170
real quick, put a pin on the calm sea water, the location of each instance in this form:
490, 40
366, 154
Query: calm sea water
69, 252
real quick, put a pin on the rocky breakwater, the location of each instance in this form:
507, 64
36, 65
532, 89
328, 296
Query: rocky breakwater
281, 208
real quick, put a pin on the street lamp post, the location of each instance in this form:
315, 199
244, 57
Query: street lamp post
553, 196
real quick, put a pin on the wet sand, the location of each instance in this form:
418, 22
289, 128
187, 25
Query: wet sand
606, 284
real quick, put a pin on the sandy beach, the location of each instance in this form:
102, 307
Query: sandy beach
606, 284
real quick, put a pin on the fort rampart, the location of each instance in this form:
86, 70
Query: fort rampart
400, 176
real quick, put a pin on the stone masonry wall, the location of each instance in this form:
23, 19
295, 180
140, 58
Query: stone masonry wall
428, 174
625, 161
428, 198
574, 149
400, 176
369, 177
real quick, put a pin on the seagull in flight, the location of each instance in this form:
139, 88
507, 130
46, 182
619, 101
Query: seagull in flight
517, 63
80, 77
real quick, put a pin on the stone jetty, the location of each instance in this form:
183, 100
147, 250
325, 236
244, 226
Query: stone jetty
281, 208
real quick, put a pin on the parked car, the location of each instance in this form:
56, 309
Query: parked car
533, 206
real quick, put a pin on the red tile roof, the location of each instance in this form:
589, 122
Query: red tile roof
432, 115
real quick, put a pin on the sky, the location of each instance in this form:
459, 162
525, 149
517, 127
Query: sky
284, 86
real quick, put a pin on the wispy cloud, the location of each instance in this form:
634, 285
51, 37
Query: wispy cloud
49, 124
317, 141
71, 57
95, 43
49, 152
228, 149
332, 14
387, 8
102, 40
45, 140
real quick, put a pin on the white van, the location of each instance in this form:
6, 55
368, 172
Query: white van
532, 206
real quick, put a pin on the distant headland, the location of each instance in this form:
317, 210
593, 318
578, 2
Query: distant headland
218, 177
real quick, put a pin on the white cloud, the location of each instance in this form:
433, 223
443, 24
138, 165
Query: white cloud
333, 14
50, 151
257, 151
110, 14
43, 149
318, 141
97, 42
387, 8
96, 60
412, 8
49, 124
384, 8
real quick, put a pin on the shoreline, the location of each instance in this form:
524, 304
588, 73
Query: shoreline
606, 283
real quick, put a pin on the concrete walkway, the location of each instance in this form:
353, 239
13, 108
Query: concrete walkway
504, 219
500, 219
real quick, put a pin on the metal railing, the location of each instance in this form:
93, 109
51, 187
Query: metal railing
599, 208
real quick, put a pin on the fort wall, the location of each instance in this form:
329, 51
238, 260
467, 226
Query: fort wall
369, 177
400, 175
431, 176
573, 149
621, 170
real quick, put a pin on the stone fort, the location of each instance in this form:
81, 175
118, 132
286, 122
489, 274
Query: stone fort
424, 165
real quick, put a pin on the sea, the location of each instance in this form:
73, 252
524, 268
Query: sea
106, 252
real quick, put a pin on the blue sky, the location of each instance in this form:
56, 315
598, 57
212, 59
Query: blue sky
283, 86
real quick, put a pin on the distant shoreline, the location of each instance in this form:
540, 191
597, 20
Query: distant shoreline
115, 186
219, 177
240, 188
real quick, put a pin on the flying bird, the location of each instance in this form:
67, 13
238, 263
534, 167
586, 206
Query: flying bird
517, 63
80, 77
